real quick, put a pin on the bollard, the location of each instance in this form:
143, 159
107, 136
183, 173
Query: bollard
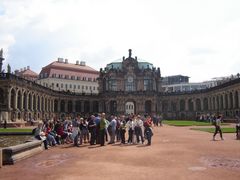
1, 157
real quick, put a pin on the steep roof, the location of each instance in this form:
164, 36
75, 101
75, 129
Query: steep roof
28, 72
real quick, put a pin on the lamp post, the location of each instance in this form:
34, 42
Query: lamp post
1, 59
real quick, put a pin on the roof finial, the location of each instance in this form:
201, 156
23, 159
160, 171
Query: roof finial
130, 52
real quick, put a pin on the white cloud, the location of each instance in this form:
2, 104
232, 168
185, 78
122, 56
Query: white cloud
195, 38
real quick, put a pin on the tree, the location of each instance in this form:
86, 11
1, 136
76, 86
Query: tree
8, 68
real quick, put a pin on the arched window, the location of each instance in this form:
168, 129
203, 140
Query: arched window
86, 106
78, 106
62, 106
198, 104
95, 106
205, 104
182, 105
148, 107
190, 105
113, 107
69, 106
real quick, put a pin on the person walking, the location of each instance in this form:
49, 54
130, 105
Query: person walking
218, 128
148, 130
237, 127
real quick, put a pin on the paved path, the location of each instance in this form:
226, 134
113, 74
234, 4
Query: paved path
176, 153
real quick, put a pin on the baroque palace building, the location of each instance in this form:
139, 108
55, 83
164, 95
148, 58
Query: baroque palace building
130, 85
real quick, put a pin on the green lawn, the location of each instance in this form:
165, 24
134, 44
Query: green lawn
212, 130
15, 130
187, 123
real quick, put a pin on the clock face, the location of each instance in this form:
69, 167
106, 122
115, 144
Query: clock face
130, 79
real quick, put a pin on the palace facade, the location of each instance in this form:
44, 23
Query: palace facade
126, 86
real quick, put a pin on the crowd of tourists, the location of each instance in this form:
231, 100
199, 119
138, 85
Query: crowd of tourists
97, 129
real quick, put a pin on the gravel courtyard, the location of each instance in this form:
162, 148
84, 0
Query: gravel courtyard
176, 153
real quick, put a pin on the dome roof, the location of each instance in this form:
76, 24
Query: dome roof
117, 64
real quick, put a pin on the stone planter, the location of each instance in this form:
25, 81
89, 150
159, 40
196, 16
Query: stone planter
13, 154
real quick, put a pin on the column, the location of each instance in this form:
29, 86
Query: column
194, 104
59, 106
15, 100
31, 104
9, 99
21, 102
233, 98
26, 102
201, 103
238, 99
224, 102
42, 104
228, 98
186, 105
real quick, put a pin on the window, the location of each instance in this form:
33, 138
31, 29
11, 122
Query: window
66, 77
93, 87
66, 86
74, 86
78, 78
130, 84
72, 77
78, 86
86, 87
82, 87
148, 84
61, 85
112, 84
57, 85
70, 86
89, 79
84, 78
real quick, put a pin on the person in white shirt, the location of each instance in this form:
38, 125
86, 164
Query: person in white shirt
130, 126
139, 129
218, 128
113, 125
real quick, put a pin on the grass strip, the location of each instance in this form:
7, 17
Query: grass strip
188, 123
212, 130
9, 130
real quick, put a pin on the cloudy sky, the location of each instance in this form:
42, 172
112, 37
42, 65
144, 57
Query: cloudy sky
197, 38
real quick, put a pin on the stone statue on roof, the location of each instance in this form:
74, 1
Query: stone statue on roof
1, 53
130, 52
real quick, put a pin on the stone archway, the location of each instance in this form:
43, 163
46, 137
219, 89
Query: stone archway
129, 107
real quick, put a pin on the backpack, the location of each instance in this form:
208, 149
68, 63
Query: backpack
33, 131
